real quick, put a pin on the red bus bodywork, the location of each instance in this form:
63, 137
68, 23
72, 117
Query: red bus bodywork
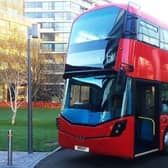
98, 138
145, 59
150, 63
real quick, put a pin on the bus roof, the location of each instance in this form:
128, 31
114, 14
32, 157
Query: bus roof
133, 10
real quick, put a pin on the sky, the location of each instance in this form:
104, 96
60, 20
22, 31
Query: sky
157, 8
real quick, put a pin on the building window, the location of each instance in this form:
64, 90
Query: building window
55, 15
47, 47
52, 78
67, 6
47, 25
33, 14
75, 7
52, 47
48, 5
33, 4
58, 26
48, 36
59, 5
62, 26
48, 15
59, 15
59, 47
62, 37
54, 66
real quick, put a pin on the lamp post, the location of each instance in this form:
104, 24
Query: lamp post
32, 32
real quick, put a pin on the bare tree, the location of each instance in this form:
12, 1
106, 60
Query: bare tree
37, 60
13, 65
53, 86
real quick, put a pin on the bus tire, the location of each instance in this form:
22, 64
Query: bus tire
165, 143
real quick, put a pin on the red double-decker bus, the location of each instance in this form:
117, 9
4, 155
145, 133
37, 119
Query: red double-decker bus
116, 96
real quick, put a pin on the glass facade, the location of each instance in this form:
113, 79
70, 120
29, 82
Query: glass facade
48, 15
59, 26
55, 19
47, 5
59, 37
49, 47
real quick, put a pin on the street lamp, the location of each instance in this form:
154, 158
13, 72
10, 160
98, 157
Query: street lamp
32, 32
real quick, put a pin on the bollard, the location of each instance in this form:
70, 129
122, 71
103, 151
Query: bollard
10, 150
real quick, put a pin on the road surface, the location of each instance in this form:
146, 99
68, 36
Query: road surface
66, 158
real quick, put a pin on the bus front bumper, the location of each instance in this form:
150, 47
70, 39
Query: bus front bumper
97, 139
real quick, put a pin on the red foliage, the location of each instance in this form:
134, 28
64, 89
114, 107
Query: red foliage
38, 104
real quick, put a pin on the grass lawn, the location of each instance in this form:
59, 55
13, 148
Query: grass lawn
44, 129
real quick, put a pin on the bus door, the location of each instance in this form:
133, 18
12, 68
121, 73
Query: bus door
146, 105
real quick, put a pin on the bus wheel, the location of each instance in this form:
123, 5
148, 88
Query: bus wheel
166, 142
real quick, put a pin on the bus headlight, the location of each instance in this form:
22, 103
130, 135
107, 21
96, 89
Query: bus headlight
118, 128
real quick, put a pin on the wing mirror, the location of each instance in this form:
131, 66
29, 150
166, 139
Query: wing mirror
121, 77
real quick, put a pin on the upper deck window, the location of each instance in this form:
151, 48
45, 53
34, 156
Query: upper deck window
95, 25
148, 33
163, 39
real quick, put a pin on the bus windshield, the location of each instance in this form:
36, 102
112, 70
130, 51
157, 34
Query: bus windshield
92, 100
95, 25
94, 38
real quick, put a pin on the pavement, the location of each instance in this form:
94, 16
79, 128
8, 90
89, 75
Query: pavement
22, 159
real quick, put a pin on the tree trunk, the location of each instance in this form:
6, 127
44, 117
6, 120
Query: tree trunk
13, 118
